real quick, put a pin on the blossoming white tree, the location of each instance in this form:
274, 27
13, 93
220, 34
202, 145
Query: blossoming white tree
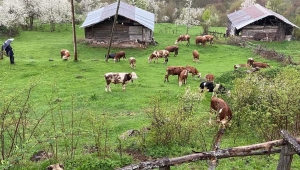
12, 14
55, 11
90, 5
189, 16
247, 3
32, 11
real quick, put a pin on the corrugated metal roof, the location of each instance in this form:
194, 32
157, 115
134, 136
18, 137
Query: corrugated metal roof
244, 17
131, 12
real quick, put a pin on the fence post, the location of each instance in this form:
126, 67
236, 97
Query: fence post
285, 158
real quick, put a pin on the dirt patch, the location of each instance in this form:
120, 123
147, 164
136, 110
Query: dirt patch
137, 155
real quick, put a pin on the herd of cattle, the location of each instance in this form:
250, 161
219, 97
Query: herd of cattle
217, 104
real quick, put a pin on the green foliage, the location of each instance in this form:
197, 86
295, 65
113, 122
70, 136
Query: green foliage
268, 102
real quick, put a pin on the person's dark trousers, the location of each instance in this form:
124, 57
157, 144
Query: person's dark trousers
11, 57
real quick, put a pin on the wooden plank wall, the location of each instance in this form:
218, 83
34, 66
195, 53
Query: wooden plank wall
260, 32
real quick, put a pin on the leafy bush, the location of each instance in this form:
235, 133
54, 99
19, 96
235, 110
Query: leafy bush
268, 102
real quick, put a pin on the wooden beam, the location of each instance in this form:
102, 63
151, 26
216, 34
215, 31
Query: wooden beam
250, 150
291, 141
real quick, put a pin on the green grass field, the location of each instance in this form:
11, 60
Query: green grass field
84, 105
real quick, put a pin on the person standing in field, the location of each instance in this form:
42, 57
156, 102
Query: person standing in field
9, 52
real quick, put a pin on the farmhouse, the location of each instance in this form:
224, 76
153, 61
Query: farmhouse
132, 23
259, 23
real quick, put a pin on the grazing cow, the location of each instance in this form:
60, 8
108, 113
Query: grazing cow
65, 54
200, 39
173, 48
257, 64
209, 38
132, 62
236, 66
173, 70
159, 54
210, 77
142, 43
194, 71
183, 77
117, 78
57, 166
185, 37
219, 106
112, 56
120, 54
196, 56
211, 87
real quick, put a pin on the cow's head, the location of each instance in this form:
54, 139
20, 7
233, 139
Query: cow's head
57, 166
133, 76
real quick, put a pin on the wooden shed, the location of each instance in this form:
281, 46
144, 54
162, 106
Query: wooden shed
132, 23
259, 23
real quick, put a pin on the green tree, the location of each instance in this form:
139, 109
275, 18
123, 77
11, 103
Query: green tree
206, 21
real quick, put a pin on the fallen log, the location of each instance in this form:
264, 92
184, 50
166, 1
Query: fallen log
250, 150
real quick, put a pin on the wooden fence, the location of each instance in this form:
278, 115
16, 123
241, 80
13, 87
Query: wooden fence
289, 147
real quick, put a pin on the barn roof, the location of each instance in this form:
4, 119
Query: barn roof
246, 16
131, 12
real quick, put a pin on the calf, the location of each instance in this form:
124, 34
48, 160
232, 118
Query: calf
173, 48
183, 77
112, 56
219, 106
210, 77
209, 38
236, 66
195, 56
211, 87
120, 54
142, 43
255, 69
57, 166
257, 64
117, 78
159, 54
200, 39
194, 71
185, 37
173, 70
65, 54
132, 62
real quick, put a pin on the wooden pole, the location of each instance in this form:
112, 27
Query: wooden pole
74, 32
112, 31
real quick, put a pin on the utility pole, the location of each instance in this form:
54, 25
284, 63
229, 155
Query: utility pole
74, 32
112, 31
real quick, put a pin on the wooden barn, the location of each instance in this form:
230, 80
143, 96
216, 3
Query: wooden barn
132, 23
259, 23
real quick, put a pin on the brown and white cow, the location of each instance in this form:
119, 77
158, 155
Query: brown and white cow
185, 37
194, 71
200, 39
210, 77
132, 62
173, 70
257, 64
159, 54
209, 38
57, 166
119, 55
236, 66
117, 78
65, 54
221, 108
196, 56
173, 48
183, 77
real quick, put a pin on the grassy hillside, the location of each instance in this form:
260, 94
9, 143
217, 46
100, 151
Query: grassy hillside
71, 94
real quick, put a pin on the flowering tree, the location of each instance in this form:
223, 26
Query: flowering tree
90, 5
247, 3
55, 11
12, 14
32, 11
189, 16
